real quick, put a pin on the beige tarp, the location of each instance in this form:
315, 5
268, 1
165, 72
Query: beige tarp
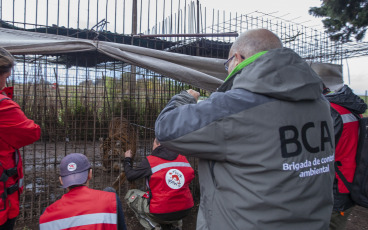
331, 74
205, 73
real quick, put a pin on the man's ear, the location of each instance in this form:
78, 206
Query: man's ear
238, 58
61, 181
89, 174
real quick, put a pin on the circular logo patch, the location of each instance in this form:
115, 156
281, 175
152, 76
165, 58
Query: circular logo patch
175, 179
72, 166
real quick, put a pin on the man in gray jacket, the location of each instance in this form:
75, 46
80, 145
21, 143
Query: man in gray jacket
264, 141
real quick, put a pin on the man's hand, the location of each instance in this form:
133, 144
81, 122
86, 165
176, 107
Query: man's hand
194, 93
128, 153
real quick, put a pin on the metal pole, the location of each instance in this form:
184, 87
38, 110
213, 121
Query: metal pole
197, 50
229, 34
134, 32
134, 17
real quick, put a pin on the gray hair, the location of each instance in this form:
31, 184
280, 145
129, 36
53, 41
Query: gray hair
255, 41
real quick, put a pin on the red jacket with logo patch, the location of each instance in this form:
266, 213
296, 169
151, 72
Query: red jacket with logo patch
169, 185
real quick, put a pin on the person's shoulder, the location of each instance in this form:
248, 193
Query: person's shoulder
2, 96
107, 196
149, 156
103, 193
52, 207
6, 102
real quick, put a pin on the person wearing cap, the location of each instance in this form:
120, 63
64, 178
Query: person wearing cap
168, 198
82, 207
16, 131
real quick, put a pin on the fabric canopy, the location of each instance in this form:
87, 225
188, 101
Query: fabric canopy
331, 74
205, 73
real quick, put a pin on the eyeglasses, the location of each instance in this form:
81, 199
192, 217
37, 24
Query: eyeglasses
226, 64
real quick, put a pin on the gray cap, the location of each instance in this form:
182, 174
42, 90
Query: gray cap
74, 169
331, 74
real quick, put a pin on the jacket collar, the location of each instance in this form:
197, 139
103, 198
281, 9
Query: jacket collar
228, 83
164, 153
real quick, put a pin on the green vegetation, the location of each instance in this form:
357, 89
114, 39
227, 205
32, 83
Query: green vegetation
84, 111
343, 19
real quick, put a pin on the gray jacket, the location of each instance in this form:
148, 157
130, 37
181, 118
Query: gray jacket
266, 147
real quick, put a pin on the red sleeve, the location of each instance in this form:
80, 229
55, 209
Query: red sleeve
15, 128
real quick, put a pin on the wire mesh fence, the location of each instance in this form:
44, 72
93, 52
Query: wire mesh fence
92, 104
99, 111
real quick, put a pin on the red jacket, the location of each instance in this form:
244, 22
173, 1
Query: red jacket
82, 208
169, 185
347, 146
16, 131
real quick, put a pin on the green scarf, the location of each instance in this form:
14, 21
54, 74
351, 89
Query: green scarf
245, 63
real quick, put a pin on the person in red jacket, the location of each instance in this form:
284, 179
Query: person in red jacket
346, 112
82, 207
168, 199
348, 107
16, 131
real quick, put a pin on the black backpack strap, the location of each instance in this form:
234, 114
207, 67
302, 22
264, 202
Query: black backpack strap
342, 177
362, 134
338, 124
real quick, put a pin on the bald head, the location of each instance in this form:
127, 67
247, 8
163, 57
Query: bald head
255, 41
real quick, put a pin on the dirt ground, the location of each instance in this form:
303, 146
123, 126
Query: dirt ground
358, 220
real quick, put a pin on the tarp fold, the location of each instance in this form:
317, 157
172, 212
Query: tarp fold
201, 72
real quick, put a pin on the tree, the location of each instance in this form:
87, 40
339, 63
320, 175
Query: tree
344, 18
